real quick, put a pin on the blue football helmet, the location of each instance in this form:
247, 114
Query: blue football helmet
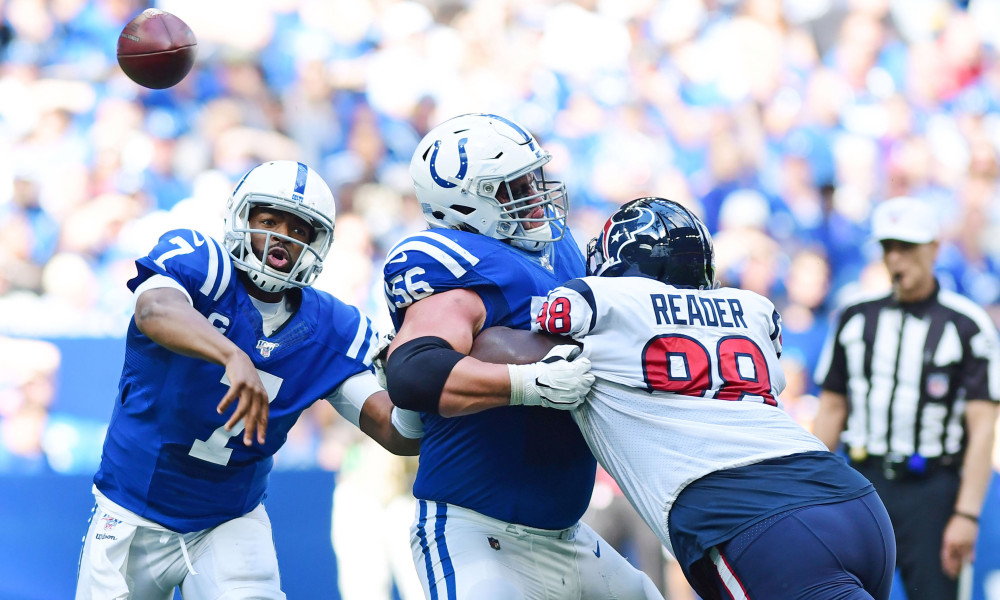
656, 238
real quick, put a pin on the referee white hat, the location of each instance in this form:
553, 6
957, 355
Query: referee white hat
906, 219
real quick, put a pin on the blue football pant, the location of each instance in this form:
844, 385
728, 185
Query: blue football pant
839, 551
920, 509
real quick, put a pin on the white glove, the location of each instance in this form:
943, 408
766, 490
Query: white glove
557, 381
379, 355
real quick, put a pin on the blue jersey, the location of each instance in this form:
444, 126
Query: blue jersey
527, 465
167, 457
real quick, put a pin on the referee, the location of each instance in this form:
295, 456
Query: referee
915, 377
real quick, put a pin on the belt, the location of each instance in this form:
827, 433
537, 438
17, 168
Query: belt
896, 465
561, 534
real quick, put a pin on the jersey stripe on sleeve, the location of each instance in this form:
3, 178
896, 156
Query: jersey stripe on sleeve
216, 257
448, 255
364, 327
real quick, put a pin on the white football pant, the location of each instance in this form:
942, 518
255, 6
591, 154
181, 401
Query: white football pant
463, 555
128, 557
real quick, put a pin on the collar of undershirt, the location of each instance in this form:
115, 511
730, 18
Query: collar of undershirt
269, 310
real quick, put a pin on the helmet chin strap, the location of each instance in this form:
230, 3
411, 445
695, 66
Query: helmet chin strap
533, 240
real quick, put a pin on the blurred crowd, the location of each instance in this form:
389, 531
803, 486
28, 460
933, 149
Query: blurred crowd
781, 122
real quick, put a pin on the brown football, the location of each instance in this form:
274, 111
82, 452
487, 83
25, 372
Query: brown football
156, 49
515, 346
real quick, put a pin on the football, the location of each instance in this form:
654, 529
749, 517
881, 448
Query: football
156, 49
516, 346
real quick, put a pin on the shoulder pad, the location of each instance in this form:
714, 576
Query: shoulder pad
197, 262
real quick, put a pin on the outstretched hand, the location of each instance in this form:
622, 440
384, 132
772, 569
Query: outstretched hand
248, 390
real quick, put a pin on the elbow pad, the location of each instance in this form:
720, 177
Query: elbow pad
417, 371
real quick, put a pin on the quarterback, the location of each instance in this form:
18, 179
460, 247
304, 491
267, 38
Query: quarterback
229, 344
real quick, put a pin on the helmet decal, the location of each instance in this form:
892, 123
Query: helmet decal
463, 164
300, 182
527, 136
490, 154
615, 229
658, 238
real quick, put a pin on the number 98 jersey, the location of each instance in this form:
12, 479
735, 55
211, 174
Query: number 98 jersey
685, 378
639, 332
167, 456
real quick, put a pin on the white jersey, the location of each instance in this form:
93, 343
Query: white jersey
687, 383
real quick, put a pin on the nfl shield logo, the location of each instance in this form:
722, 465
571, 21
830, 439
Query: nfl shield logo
937, 385
265, 347
494, 543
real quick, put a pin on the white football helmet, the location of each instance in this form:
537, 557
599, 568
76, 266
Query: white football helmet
463, 170
290, 187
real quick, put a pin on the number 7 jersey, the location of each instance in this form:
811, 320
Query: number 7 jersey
687, 383
167, 456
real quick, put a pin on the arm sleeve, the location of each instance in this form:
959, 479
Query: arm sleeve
408, 423
350, 396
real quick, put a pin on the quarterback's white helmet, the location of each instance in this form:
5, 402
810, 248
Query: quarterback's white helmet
290, 187
462, 173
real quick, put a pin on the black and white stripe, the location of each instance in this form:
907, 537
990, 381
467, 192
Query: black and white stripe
908, 369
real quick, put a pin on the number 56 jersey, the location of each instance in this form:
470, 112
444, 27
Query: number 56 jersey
167, 456
519, 464
687, 383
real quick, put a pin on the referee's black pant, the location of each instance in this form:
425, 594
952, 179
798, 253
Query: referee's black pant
919, 508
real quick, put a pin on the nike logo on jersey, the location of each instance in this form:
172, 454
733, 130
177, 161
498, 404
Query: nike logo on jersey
401, 257
597, 552
197, 240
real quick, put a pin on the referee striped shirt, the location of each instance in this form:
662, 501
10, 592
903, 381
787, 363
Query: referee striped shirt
907, 371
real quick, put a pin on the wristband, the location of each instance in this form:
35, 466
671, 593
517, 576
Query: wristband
966, 515
521, 378
407, 422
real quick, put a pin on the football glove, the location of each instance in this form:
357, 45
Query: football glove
379, 354
560, 380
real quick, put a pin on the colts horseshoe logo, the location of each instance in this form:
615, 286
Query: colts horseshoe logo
463, 164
